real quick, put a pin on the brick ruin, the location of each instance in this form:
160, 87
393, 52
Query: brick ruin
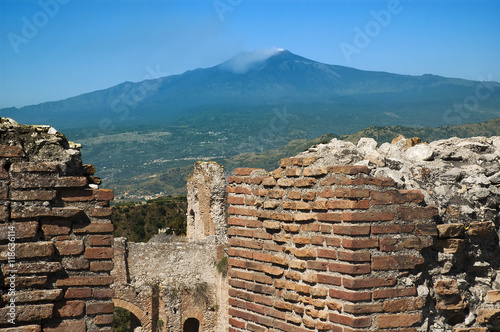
343, 237
55, 235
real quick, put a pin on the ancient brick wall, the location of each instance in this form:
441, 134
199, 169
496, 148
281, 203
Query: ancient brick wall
401, 237
322, 248
55, 235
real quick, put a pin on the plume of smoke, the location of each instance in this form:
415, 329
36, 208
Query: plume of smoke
242, 62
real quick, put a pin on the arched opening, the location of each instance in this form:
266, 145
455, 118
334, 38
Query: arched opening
132, 317
191, 325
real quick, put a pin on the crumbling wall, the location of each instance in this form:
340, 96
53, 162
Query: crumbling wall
206, 189
401, 237
55, 235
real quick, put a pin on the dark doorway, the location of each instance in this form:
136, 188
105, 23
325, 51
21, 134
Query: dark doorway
191, 325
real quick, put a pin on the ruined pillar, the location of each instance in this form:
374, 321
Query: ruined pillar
206, 190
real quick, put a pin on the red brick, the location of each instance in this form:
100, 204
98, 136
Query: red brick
101, 266
27, 313
55, 227
235, 179
408, 304
358, 283
397, 320
351, 230
396, 262
330, 217
417, 213
352, 193
326, 193
360, 243
65, 326
85, 281
333, 241
365, 308
426, 230
78, 293
327, 279
241, 211
317, 265
103, 293
451, 230
393, 292
69, 248
327, 253
351, 321
24, 230
396, 197
348, 204
101, 212
76, 264
100, 308
68, 309
33, 267
104, 319
236, 200
305, 253
237, 323
480, 228
28, 181
28, 250
353, 296
29, 212
367, 216
349, 268
306, 182
93, 228
392, 229
238, 190
354, 256
101, 240
240, 253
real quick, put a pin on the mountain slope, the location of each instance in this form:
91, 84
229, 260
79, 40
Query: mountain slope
330, 93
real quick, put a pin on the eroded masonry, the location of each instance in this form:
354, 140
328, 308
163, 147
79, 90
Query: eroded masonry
343, 237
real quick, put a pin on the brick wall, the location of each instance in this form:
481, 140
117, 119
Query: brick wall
55, 235
325, 248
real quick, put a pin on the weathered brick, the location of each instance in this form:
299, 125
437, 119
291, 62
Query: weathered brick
69, 248
101, 240
66, 325
23, 230
396, 262
305, 253
396, 197
446, 287
10, 151
393, 292
417, 213
392, 229
284, 182
102, 293
327, 253
305, 182
485, 316
85, 281
243, 171
397, 320
360, 243
101, 212
353, 296
35, 295
480, 228
101, 266
28, 250
401, 305
330, 217
349, 170
76, 263
30, 212
305, 216
365, 308
32, 195
24, 328
358, 283
26, 282
68, 309
315, 171
367, 216
28, 181
33, 267
317, 265
349, 268
451, 230
4, 213
236, 200
78, 293
351, 230
104, 319
99, 308
352, 193
350, 321
493, 296
27, 313
328, 279
353, 256
450, 245
104, 227
349, 204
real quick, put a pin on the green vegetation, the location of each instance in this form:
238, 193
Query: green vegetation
222, 266
122, 320
139, 222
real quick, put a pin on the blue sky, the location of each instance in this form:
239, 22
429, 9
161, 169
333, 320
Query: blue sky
55, 49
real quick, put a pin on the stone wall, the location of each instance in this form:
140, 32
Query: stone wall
55, 235
403, 237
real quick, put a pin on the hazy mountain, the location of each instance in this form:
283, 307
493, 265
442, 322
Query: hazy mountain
250, 87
